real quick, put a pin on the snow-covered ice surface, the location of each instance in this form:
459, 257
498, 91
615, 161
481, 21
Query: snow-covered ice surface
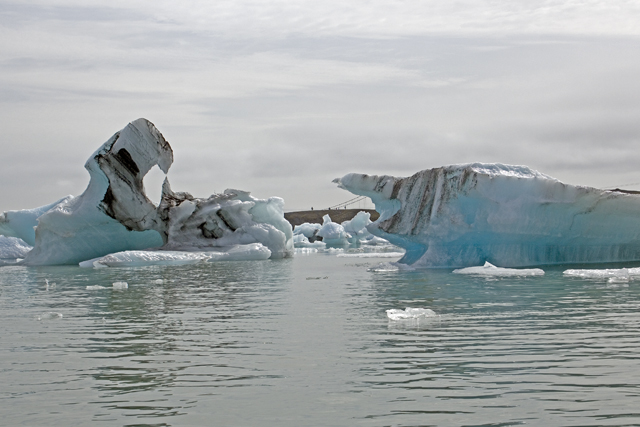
114, 214
512, 216
491, 270
410, 313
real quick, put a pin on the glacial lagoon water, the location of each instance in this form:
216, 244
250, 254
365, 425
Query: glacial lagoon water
306, 342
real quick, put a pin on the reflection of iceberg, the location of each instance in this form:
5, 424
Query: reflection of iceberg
464, 215
491, 270
115, 215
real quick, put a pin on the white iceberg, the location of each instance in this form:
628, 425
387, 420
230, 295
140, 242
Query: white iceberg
491, 270
114, 214
410, 313
512, 216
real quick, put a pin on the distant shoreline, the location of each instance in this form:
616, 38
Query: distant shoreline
315, 216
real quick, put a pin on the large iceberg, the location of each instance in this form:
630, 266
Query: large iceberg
512, 216
114, 214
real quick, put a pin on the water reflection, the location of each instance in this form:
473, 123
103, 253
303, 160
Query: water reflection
496, 341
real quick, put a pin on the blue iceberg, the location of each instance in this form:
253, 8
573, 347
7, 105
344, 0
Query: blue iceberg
511, 216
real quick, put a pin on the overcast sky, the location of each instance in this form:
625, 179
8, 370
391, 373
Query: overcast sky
280, 97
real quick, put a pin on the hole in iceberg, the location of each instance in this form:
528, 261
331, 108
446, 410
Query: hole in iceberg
152, 182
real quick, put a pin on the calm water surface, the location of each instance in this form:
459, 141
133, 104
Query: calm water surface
306, 342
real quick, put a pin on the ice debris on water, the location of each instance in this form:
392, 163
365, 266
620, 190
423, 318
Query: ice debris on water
613, 275
349, 234
372, 255
158, 281
51, 315
491, 270
462, 215
385, 267
410, 313
95, 287
120, 285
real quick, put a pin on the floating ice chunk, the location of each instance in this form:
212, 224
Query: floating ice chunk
95, 287
51, 315
250, 252
619, 279
306, 251
461, 215
145, 258
120, 285
489, 269
333, 234
372, 255
605, 273
308, 230
301, 241
158, 281
410, 313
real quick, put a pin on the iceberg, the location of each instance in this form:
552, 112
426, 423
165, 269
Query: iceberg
114, 215
512, 216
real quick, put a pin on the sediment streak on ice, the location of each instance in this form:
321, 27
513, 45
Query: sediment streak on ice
465, 215
114, 215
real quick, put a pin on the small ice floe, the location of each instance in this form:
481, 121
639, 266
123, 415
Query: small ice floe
410, 313
385, 267
120, 285
158, 282
51, 315
491, 270
612, 275
372, 255
95, 287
